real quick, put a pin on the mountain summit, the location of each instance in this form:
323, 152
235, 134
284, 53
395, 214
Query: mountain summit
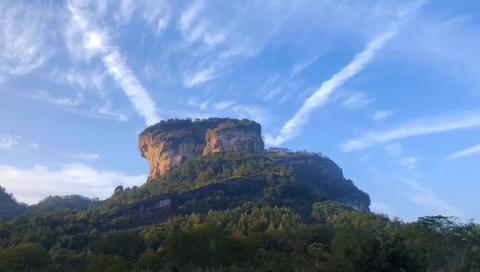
196, 154
169, 143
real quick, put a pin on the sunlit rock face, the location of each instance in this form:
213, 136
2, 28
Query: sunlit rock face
168, 144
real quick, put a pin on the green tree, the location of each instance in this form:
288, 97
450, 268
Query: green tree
24, 257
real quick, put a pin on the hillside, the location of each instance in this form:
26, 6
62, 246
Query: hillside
9, 207
216, 200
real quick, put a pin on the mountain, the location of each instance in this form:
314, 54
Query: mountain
219, 164
217, 200
9, 207
168, 144
58, 203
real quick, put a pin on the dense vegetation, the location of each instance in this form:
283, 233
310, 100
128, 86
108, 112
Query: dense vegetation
9, 207
201, 124
246, 238
302, 174
290, 224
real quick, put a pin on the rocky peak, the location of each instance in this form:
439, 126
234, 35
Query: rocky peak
168, 144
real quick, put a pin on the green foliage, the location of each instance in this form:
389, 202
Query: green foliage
323, 211
9, 207
247, 238
72, 202
127, 245
294, 223
24, 257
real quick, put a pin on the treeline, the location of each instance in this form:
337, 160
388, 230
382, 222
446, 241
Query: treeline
310, 173
247, 238
11, 208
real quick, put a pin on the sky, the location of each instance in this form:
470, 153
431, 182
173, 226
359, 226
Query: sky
388, 89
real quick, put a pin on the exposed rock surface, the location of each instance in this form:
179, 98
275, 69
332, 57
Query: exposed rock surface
168, 144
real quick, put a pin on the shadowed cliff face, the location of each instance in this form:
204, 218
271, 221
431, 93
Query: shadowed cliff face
168, 144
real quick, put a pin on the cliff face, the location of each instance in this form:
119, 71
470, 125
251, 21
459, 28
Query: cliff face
168, 144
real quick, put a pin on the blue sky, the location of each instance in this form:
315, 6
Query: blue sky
387, 89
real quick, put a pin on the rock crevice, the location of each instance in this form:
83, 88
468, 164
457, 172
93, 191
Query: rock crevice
168, 144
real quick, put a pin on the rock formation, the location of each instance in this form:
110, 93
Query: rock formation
169, 143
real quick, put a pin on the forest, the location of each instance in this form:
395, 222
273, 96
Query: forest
290, 223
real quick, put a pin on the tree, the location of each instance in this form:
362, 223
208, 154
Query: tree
24, 257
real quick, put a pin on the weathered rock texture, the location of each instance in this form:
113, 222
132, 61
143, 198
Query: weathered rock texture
168, 144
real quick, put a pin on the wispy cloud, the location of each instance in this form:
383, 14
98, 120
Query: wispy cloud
155, 13
84, 156
8, 141
74, 104
96, 42
85, 79
223, 105
321, 95
33, 184
137, 94
394, 149
465, 153
23, 37
200, 77
421, 195
357, 101
417, 127
105, 110
382, 115
383, 208
409, 162
44, 96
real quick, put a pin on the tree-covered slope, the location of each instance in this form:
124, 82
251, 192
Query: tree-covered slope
273, 211
9, 207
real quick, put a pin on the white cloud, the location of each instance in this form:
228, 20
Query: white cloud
33, 184
105, 110
200, 77
321, 95
409, 162
357, 101
84, 156
45, 96
86, 79
33, 145
382, 115
155, 13
465, 153
446, 44
223, 105
8, 141
189, 15
394, 149
96, 42
72, 104
421, 195
383, 208
144, 104
23, 37
417, 127
197, 103
301, 66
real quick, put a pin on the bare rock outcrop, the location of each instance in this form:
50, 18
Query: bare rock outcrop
168, 144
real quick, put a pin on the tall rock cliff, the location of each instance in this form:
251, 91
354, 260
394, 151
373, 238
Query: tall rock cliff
168, 144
